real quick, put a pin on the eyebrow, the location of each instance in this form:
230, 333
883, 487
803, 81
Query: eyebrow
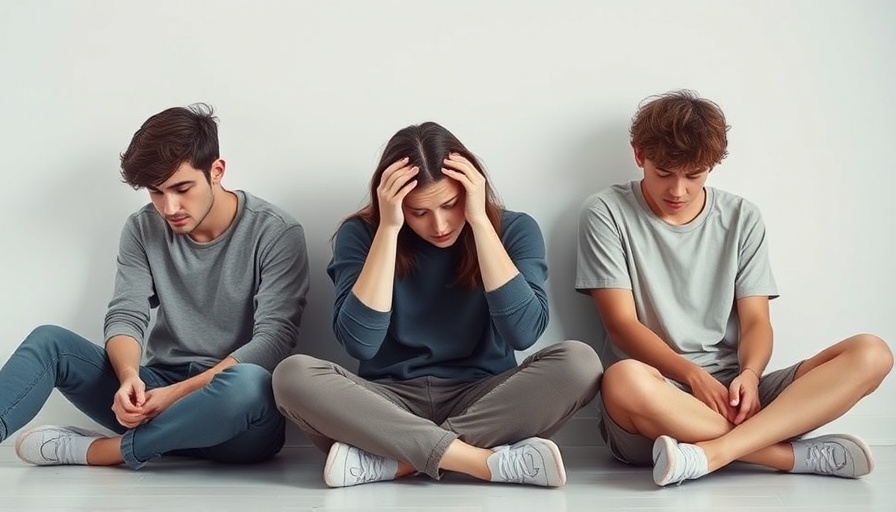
410, 207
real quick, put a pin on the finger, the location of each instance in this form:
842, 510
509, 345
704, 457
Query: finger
394, 166
458, 176
398, 180
389, 174
401, 194
140, 394
734, 393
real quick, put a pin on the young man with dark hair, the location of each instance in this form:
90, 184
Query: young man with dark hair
228, 273
679, 273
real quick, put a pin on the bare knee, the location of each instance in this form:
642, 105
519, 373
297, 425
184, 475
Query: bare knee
874, 359
630, 385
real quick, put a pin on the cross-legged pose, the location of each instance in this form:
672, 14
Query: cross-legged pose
679, 273
436, 287
227, 273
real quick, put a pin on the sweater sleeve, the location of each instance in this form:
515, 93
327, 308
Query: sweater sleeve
279, 300
519, 308
133, 295
358, 328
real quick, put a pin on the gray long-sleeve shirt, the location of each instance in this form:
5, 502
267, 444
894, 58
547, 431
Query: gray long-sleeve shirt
240, 295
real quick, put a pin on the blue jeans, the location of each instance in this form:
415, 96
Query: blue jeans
232, 419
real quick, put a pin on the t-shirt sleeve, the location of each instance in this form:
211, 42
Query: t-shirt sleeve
754, 272
600, 255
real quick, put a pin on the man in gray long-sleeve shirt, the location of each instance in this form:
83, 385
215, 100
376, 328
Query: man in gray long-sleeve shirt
228, 273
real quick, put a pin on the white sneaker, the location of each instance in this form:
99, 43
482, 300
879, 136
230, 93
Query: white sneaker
675, 462
533, 461
840, 455
347, 466
50, 445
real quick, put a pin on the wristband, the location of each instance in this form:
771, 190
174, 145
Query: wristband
752, 370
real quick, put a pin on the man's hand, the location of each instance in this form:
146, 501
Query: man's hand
160, 399
712, 393
744, 396
128, 402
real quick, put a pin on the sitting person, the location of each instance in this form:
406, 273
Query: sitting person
205, 389
680, 275
436, 287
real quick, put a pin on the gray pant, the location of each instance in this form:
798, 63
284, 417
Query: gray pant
415, 420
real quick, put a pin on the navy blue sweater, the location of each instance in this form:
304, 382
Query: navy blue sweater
435, 327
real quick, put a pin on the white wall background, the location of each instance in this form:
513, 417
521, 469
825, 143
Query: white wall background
309, 91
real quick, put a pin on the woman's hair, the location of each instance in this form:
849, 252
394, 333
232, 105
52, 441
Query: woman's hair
680, 129
426, 146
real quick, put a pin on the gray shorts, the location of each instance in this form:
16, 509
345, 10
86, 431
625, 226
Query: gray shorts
637, 449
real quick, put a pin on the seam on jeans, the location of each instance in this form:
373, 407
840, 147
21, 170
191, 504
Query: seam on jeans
41, 374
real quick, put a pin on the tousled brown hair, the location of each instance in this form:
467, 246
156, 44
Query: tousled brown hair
426, 146
680, 129
167, 140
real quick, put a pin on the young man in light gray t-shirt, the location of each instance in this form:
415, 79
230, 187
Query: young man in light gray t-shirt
680, 276
227, 274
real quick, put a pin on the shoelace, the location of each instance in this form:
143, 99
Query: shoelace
821, 458
56, 445
369, 468
517, 465
691, 467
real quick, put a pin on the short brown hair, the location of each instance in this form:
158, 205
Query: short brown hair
680, 129
167, 140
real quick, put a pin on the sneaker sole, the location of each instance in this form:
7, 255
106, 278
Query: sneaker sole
662, 465
335, 451
561, 470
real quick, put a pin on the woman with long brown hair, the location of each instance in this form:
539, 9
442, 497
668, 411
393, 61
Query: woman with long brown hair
437, 286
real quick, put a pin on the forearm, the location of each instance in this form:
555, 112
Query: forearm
375, 282
124, 354
187, 386
641, 343
755, 348
495, 264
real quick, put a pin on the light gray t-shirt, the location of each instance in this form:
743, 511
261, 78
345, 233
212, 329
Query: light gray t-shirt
240, 295
685, 279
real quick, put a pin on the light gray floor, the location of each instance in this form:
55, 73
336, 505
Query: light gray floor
293, 482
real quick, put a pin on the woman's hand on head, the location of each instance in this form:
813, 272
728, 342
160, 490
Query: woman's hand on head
395, 184
464, 172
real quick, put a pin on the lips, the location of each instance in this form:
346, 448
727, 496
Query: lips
443, 238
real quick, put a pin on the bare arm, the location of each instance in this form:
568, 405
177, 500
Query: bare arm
754, 350
617, 309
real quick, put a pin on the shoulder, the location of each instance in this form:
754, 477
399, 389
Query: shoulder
353, 231
621, 196
518, 221
145, 223
730, 204
261, 211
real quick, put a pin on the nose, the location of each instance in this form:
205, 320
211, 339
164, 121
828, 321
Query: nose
170, 205
440, 223
678, 187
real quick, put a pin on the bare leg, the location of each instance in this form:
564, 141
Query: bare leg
638, 398
467, 459
105, 452
825, 387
